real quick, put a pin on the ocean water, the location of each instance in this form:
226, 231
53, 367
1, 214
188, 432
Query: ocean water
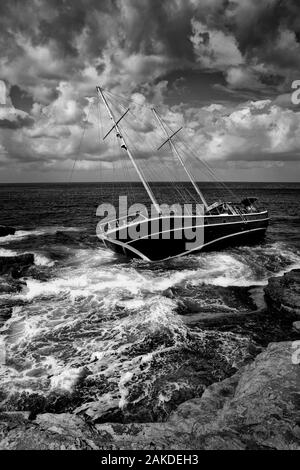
107, 337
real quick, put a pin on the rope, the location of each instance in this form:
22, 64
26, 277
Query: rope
81, 139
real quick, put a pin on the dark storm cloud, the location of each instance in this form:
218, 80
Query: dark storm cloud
54, 52
16, 123
78, 30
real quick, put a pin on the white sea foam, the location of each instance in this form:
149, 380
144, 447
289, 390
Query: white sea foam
101, 310
42, 260
92, 272
66, 380
21, 234
39, 259
5, 252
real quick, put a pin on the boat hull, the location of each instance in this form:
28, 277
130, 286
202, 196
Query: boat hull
217, 233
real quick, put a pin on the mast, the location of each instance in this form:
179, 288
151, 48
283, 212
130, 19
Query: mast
169, 138
125, 147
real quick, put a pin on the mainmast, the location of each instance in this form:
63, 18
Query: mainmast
125, 147
175, 151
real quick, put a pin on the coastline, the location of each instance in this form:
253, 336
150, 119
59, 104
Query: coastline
252, 406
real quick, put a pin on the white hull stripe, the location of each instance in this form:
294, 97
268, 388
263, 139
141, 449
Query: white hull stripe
143, 221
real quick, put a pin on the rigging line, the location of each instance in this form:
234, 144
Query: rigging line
81, 138
176, 187
154, 173
211, 172
139, 136
99, 135
182, 190
203, 163
177, 154
126, 167
125, 147
206, 165
131, 100
229, 190
127, 100
199, 160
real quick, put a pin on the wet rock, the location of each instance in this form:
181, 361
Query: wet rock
6, 230
178, 371
10, 286
47, 432
283, 294
16, 266
211, 305
256, 408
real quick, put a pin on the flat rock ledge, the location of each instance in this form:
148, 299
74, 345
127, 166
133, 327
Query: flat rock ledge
257, 408
283, 294
16, 266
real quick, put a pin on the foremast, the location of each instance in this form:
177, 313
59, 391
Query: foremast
125, 147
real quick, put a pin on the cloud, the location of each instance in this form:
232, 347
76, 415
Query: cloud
213, 48
10, 117
256, 131
57, 52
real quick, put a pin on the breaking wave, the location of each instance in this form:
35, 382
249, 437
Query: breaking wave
22, 234
103, 334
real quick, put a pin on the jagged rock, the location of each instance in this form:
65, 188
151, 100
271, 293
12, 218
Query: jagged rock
16, 266
283, 293
254, 409
48, 432
257, 408
5, 230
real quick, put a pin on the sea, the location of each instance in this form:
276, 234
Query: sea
112, 339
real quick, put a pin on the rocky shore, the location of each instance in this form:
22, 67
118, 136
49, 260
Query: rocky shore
256, 407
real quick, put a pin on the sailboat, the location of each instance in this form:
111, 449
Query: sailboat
162, 236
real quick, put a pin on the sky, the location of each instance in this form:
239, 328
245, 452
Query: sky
221, 69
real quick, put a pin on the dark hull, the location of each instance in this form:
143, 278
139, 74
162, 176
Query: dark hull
217, 234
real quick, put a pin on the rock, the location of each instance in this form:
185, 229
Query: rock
296, 326
48, 432
10, 286
16, 266
5, 230
283, 293
256, 408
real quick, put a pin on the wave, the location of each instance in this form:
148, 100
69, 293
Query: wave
39, 258
95, 273
5, 252
107, 326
